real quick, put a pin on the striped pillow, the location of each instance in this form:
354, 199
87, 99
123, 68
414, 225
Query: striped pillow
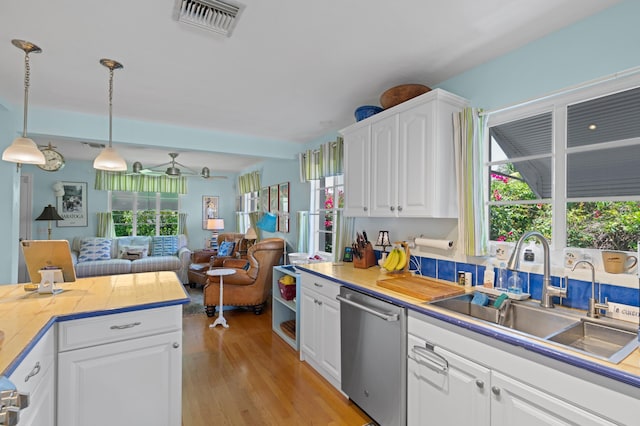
164, 245
95, 249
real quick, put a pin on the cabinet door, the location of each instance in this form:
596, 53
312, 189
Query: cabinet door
309, 335
439, 383
384, 163
514, 403
356, 172
133, 382
330, 337
418, 170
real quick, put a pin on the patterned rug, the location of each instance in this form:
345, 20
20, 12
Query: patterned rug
195, 306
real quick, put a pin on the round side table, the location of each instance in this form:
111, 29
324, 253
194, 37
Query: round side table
220, 272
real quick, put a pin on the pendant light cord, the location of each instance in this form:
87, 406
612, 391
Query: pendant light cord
110, 103
27, 73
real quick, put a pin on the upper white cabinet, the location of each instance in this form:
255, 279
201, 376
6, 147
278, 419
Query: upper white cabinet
400, 162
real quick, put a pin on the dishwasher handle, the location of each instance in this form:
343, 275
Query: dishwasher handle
384, 316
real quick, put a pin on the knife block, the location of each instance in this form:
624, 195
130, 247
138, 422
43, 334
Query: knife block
368, 258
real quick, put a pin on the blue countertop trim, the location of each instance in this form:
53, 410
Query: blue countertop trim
14, 364
511, 338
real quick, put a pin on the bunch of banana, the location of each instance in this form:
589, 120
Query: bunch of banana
396, 260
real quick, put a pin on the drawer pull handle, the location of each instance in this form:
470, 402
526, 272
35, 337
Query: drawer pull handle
125, 326
33, 372
318, 285
176, 345
495, 390
480, 383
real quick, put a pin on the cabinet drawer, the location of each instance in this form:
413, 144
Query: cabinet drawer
94, 331
326, 288
33, 368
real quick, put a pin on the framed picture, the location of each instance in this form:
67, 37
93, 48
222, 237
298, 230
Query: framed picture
209, 209
263, 203
283, 207
72, 206
273, 198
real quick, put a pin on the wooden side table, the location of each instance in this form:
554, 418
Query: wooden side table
220, 272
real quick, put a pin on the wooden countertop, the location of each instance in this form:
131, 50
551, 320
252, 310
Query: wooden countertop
627, 370
25, 316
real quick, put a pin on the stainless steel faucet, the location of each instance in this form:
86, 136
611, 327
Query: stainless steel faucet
594, 305
548, 291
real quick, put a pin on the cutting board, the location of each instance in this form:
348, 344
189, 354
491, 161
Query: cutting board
421, 288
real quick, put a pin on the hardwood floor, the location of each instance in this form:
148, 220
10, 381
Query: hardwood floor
247, 375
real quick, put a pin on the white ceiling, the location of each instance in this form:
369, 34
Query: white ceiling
293, 70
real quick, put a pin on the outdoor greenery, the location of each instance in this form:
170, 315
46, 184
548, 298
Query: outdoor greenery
598, 225
145, 223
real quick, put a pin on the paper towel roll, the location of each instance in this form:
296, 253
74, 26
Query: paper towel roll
439, 244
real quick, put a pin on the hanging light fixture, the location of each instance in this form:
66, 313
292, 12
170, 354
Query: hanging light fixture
109, 159
23, 149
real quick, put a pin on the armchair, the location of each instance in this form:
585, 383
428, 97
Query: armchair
202, 260
249, 287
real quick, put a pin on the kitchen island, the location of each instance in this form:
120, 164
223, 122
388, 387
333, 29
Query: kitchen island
587, 386
97, 329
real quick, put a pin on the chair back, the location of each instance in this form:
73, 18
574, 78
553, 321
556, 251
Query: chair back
262, 257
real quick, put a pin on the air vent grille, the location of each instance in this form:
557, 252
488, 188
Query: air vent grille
220, 17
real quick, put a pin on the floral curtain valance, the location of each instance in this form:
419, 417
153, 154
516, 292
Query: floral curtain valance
109, 181
328, 160
249, 183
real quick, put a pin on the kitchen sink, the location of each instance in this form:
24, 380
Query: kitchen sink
599, 340
525, 318
605, 340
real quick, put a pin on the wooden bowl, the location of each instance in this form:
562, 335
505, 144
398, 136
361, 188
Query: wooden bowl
399, 94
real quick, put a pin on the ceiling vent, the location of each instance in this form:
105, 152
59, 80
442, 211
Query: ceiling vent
213, 15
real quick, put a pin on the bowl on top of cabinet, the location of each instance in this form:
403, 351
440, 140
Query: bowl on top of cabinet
399, 94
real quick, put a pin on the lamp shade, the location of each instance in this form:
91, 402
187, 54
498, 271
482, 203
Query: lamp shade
109, 160
251, 234
215, 224
267, 222
383, 239
49, 213
23, 150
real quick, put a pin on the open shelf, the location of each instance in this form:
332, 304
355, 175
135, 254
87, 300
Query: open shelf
285, 313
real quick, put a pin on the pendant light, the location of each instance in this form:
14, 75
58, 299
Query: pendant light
23, 149
109, 159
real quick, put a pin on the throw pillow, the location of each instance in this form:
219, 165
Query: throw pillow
95, 249
226, 248
133, 252
164, 245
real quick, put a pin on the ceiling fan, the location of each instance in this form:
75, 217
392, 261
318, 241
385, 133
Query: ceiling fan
172, 170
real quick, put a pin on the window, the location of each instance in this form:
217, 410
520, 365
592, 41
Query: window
144, 213
567, 167
246, 204
327, 202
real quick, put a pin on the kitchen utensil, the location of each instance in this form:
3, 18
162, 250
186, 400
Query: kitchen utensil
617, 262
421, 288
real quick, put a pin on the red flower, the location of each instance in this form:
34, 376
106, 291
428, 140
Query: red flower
502, 238
597, 214
496, 195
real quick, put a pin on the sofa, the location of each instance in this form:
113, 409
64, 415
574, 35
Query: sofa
202, 260
95, 256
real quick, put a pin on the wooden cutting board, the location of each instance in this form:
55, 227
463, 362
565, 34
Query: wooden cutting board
421, 288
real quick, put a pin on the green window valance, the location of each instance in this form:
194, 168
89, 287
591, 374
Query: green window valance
109, 181
249, 182
328, 160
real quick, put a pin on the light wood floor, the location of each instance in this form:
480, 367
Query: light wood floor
247, 375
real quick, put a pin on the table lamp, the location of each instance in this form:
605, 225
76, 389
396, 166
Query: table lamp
215, 225
49, 213
251, 237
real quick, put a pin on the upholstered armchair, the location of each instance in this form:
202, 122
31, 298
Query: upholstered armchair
248, 287
202, 260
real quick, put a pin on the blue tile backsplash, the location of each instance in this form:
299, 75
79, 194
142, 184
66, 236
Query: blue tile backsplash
577, 294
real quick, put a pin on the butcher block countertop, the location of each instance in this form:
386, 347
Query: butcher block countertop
370, 280
25, 316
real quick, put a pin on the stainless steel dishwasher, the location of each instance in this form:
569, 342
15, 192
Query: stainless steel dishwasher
374, 356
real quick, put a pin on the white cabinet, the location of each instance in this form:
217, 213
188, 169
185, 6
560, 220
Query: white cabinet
123, 369
540, 395
357, 165
35, 375
513, 402
440, 382
320, 326
400, 162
